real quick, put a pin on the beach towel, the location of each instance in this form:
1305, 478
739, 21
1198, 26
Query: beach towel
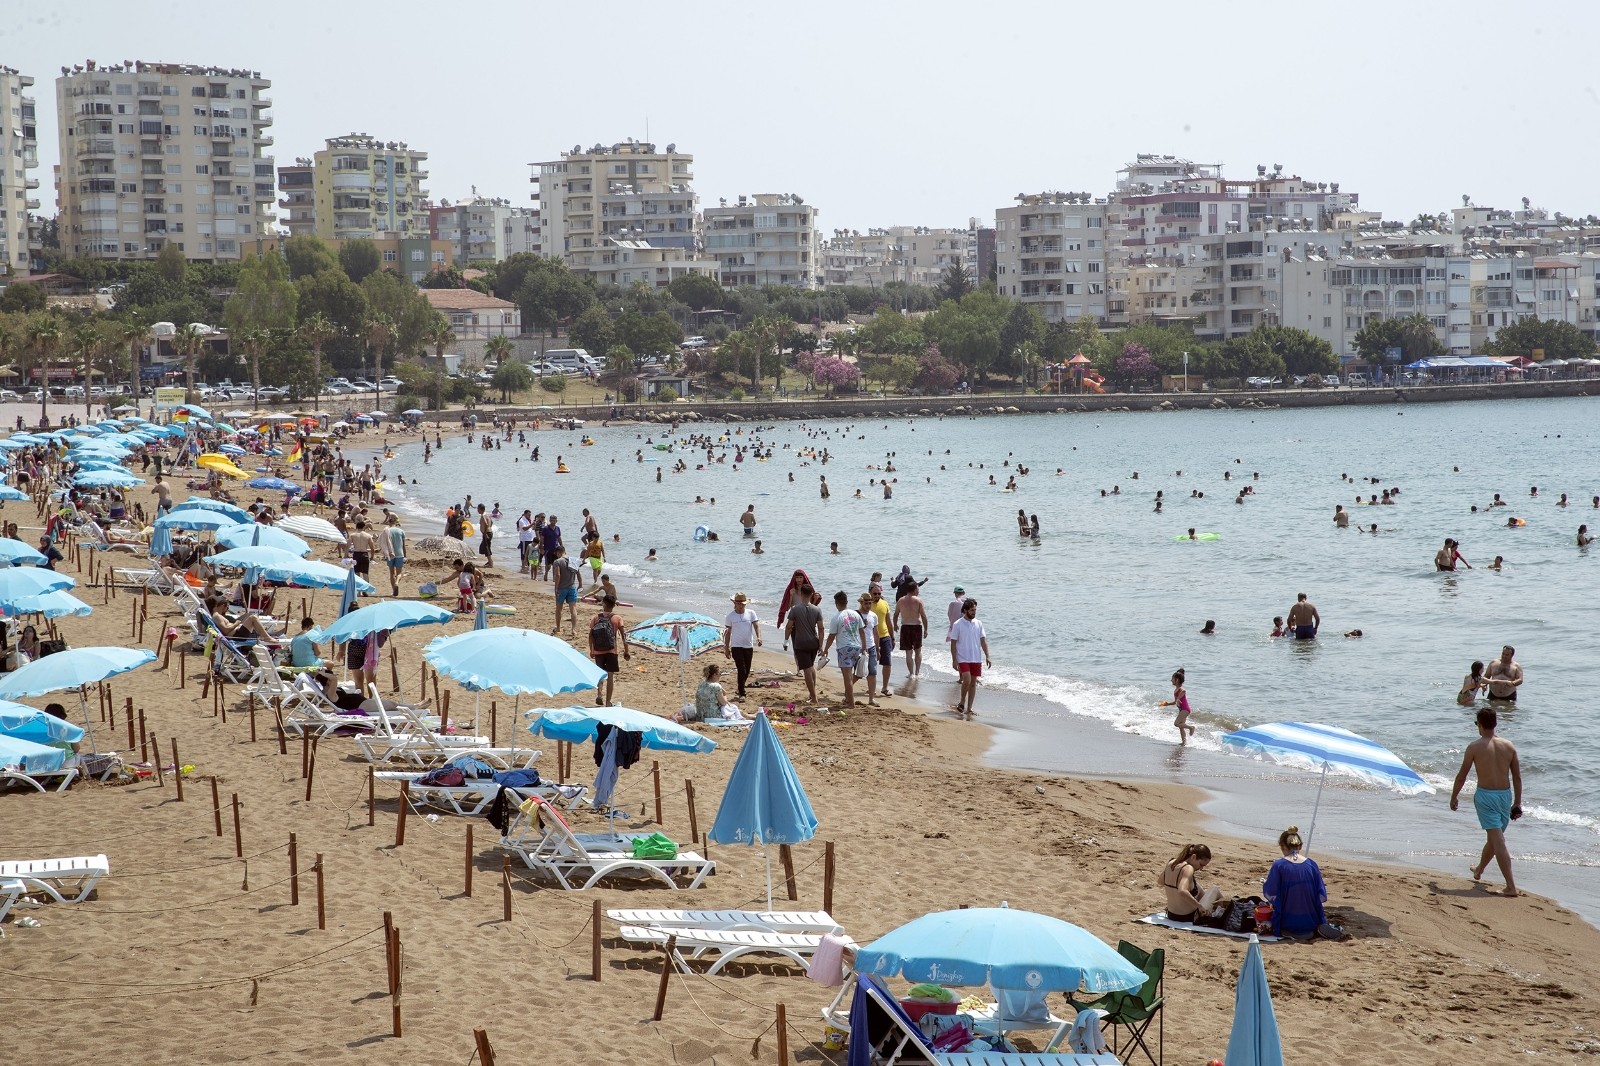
1085, 1038
827, 964
1160, 918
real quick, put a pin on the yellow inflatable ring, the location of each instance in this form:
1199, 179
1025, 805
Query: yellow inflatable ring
467, 530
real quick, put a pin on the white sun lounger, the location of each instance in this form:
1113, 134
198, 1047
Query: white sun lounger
64, 880
814, 922
543, 840
723, 946
10, 892
34, 778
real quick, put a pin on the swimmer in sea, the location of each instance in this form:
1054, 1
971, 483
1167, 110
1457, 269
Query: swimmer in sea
1192, 534
1277, 626
1209, 629
1180, 700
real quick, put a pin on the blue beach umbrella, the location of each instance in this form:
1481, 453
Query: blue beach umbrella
96, 462
30, 757
231, 449
764, 802
514, 661
274, 484
15, 551
383, 616
101, 479
579, 724
11, 494
57, 604
1254, 1040
110, 426
160, 541
1326, 748
19, 581
245, 534
90, 431
205, 503
12, 444
22, 722
480, 617
998, 946
193, 518
26, 440
275, 564
72, 669
668, 632
194, 411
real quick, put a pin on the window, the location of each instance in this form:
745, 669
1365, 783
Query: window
1437, 321
390, 257
1093, 222
174, 168
202, 168
1550, 295
438, 257
124, 127
1073, 266
1094, 268
1327, 322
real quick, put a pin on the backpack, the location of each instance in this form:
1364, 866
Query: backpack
602, 634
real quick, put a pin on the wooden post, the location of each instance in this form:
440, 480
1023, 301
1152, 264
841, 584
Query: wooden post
405, 803
394, 668
372, 797
494, 724
783, 1036
655, 779
444, 714
133, 619
252, 718
827, 877
394, 937
222, 699
183, 668
141, 729
388, 948
305, 752
238, 838
667, 952
594, 941
166, 657
294, 872
694, 821
485, 1052
311, 771
322, 907
155, 750
216, 806
436, 702
422, 680
468, 890
505, 887
129, 715
177, 769
283, 734
786, 856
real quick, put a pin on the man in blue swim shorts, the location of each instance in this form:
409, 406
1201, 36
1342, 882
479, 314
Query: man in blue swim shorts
1498, 799
1304, 619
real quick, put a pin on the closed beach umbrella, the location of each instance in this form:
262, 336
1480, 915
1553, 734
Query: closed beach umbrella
72, 669
160, 541
311, 528
22, 722
14, 551
480, 617
764, 802
347, 599
379, 617
243, 534
998, 946
1326, 748
514, 661
1254, 1040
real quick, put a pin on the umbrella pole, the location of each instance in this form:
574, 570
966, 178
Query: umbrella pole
766, 850
1316, 806
88, 726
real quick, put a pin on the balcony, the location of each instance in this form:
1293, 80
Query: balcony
264, 141
96, 146
33, 205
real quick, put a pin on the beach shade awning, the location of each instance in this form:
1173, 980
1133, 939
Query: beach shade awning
272, 484
22, 722
1326, 749
246, 534
193, 518
204, 503
1000, 947
513, 660
579, 724
311, 528
15, 551
275, 564
764, 802
104, 479
1254, 1040
31, 757
669, 633
381, 617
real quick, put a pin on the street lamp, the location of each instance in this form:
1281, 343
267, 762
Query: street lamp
1185, 371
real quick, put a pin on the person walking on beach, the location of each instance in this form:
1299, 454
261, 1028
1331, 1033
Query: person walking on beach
1504, 676
882, 631
848, 630
911, 619
393, 543
741, 632
361, 545
524, 539
1304, 619
953, 613
967, 641
604, 637
485, 536
549, 543
802, 629
1498, 799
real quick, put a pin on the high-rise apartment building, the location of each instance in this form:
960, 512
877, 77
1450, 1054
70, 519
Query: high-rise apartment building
297, 198
486, 229
765, 239
1050, 253
159, 153
916, 255
630, 192
19, 138
364, 187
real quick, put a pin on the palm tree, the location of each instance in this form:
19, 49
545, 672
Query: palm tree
44, 340
87, 342
441, 336
135, 335
255, 341
317, 331
380, 331
11, 339
498, 348
189, 340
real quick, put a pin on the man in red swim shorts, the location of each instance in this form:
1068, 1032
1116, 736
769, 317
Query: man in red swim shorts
968, 641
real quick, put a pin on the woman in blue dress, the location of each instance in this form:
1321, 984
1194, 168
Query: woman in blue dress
1295, 887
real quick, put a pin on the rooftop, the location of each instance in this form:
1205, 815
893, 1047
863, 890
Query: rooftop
464, 300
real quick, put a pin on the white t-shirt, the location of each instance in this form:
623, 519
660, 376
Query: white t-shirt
845, 628
742, 628
968, 636
524, 530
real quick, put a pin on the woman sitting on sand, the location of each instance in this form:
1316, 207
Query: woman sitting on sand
710, 699
1178, 880
1295, 887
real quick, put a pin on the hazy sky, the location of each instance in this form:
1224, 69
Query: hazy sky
926, 112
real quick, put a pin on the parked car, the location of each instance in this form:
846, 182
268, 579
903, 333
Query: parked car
272, 392
1330, 380
390, 384
694, 342
1357, 378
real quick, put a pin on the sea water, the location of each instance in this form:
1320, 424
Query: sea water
1088, 622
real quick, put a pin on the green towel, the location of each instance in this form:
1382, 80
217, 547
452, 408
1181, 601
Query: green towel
654, 846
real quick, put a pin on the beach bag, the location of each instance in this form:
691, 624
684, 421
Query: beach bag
1241, 916
444, 777
654, 846
602, 634
861, 664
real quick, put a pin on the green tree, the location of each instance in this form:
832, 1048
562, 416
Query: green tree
512, 375
254, 341
498, 349
359, 259
889, 333
592, 331
84, 341
1557, 339
655, 334
1023, 326
379, 333
407, 310
968, 331
554, 383
440, 336
335, 297
134, 333
21, 297
955, 282
307, 254
171, 264
619, 360
1414, 336
264, 303
44, 338
549, 294
316, 331
698, 291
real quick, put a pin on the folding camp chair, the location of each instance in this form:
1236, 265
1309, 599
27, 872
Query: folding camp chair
1130, 1014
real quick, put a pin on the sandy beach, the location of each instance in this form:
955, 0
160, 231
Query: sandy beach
188, 954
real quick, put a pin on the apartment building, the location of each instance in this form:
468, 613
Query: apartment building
18, 201
592, 201
1188, 244
917, 255
765, 239
634, 262
297, 199
364, 187
1050, 253
159, 153
484, 229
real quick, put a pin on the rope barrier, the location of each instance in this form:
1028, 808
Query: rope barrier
193, 906
57, 845
210, 866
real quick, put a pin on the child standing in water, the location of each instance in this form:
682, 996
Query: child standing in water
1180, 700
1471, 685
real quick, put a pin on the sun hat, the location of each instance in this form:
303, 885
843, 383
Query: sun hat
739, 597
958, 591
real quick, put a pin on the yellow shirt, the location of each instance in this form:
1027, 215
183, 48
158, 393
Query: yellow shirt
880, 608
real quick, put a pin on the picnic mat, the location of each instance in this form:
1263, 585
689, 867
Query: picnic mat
1158, 918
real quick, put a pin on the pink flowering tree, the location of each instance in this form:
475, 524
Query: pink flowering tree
935, 373
834, 373
1135, 363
